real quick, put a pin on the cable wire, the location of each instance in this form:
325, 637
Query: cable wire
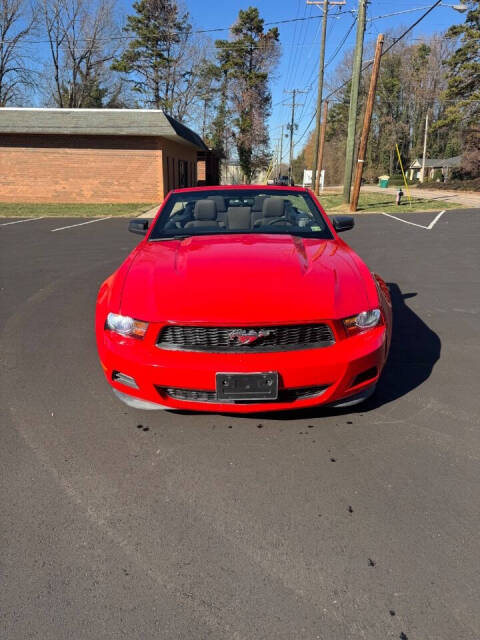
396, 40
369, 64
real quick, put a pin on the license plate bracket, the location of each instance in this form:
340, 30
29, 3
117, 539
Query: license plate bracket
247, 386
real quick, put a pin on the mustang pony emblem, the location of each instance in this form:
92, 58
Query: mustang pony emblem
247, 337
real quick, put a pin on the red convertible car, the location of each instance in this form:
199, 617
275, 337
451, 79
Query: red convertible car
242, 299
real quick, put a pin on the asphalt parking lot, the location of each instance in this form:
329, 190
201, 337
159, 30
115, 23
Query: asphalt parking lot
321, 525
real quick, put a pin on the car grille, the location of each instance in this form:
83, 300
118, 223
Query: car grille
220, 339
284, 395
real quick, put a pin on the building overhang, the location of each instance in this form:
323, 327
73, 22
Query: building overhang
97, 122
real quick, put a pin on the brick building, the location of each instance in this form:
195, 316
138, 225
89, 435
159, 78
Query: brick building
94, 155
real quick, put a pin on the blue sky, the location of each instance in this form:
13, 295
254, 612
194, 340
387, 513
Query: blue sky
300, 40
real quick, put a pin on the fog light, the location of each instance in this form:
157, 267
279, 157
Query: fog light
122, 378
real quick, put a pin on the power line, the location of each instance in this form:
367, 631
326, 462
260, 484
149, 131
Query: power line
397, 13
321, 72
290, 67
307, 128
193, 31
369, 64
339, 48
219, 29
311, 79
294, 93
396, 40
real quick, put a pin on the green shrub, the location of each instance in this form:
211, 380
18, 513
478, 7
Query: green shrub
453, 185
397, 181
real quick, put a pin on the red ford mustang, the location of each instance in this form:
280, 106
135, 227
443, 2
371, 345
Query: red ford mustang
242, 299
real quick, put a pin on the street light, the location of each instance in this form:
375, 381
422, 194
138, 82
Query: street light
458, 7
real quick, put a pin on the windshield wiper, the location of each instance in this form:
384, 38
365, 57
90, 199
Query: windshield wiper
176, 237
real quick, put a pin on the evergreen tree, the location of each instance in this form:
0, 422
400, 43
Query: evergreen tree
464, 70
245, 61
159, 30
464, 88
220, 126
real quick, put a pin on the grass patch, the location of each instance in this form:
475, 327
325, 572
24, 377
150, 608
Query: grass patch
70, 210
374, 202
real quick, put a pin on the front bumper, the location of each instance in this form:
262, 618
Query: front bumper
334, 373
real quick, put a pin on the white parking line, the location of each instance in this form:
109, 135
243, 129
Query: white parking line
4, 224
433, 222
80, 224
415, 224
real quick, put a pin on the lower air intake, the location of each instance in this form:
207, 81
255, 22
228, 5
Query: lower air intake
284, 395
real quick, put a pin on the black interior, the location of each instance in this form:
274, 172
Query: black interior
239, 212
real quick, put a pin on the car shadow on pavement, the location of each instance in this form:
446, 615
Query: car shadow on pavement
414, 351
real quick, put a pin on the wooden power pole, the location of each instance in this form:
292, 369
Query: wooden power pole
352, 112
323, 129
291, 126
281, 155
366, 124
324, 4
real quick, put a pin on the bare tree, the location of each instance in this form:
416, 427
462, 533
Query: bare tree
17, 21
83, 38
165, 59
190, 90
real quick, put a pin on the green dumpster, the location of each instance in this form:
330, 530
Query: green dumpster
383, 181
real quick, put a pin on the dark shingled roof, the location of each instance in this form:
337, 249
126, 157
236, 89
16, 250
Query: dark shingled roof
117, 122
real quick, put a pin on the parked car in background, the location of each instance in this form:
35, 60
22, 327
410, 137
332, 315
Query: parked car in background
242, 299
283, 181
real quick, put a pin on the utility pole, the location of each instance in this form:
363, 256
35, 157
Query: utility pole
321, 65
366, 124
291, 126
323, 129
281, 154
352, 113
422, 175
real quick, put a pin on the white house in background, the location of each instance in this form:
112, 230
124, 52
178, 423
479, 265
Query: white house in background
445, 165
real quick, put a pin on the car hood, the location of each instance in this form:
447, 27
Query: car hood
245, 279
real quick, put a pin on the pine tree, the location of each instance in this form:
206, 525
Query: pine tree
464, 87
220, 126
464, 70
245, 62
148, 63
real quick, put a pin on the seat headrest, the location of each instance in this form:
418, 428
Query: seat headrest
219, 201
258, 202
273, 207
205, 210
238, 218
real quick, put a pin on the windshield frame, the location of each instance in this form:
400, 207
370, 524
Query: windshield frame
158, 232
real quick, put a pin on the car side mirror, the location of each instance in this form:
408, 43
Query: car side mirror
139, 225
343, 223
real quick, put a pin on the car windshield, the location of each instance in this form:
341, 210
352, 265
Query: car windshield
208, 212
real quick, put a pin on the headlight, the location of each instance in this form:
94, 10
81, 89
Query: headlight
126, 326
362, 321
